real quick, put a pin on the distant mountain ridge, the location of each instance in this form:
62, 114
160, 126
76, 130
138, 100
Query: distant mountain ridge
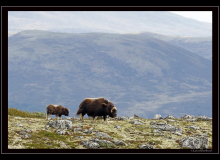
199, 45
161, 22
139, 74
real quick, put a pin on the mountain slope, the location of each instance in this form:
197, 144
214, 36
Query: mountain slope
199, 45
161, 22
138, 74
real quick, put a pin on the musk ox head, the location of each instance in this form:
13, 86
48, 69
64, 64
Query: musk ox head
65, 111
112, 110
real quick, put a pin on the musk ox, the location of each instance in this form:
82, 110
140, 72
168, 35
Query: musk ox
95, 107
57, 110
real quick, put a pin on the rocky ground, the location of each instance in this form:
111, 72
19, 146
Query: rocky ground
186, 132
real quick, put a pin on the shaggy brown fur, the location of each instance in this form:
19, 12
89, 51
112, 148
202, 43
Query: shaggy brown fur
57, 110
97, 107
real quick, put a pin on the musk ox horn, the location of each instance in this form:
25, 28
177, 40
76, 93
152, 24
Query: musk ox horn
114, 108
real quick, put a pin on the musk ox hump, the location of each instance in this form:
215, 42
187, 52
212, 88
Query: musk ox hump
56, 105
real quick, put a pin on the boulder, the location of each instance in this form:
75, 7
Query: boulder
136, 122
77, 129
80, 137
90, 145
152, 122
166, 127
157, 116
86, 131
103, 143
124, 118
194, 142
190, 120
78, 126
157, 131
68, 124
136, 116
117, 127
93, 145
204, 118
146, 146
103, 135
193, 127
170, 120
61, 132
187, 116
161, 123
170, 117
118, 142
177, 133
25, 133
60, 124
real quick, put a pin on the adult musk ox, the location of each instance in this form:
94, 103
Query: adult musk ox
57, 110
97, 107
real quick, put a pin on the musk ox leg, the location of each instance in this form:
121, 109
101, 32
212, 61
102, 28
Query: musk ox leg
105, 119
46, 116
95, 118
81, 117
50, 116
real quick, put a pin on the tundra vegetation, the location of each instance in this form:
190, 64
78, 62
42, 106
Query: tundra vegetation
32, 131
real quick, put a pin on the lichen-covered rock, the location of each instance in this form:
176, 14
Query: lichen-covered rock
86, 131
170, 120
85, 143
90, 144
61, 132
146, 146
103, 135
194, 142
93, 145
103, 143
166, 127
68, 124
136, 116
25, 133
152, 122
170, 117
124, 118
162, 123
157, 116
136, 122
190, 120
177, 133
118, 127
59, 124
118, 142
77, 129
187, 116
157, 131
204, 118
193, 127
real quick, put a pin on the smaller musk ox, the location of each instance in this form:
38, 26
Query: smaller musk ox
57, 110
95, 107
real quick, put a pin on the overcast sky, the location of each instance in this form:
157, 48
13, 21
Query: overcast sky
204, 16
